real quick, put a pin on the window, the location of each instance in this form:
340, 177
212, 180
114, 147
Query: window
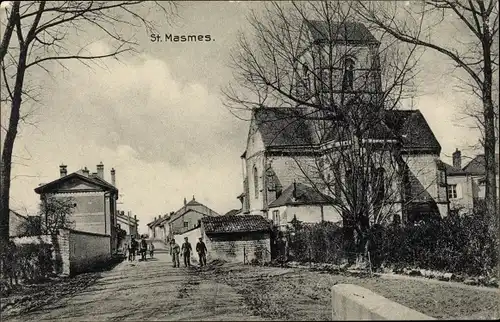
256, 182
325, 79
379, 185
452, 191
186, 224
306, 75
348, 79
276, 217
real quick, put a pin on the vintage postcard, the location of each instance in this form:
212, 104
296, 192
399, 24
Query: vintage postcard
249, 160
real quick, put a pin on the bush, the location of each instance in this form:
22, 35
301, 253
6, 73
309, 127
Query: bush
29, 262
456, 244
322, 242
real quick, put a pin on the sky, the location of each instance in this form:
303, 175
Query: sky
157, 118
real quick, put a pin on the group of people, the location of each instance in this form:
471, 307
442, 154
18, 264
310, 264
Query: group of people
185, 250
135, 248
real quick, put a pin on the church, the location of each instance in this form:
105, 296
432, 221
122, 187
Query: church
343, 146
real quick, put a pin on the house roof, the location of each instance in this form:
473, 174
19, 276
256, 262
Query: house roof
289, 127
453, 171
303, 195
180, 214
232, 212
353, 32
235, 224
92, 179
183, 210
477, 166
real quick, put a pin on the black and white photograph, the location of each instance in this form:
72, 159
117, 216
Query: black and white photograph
249, 160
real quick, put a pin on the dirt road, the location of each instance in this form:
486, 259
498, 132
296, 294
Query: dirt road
148, 291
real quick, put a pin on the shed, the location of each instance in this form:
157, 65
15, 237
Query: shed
237, 239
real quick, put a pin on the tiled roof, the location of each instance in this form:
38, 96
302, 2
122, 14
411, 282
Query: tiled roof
354, 32
477, 165
283, 126
235, 224
453, 171
303, 195
288, 127
412, 128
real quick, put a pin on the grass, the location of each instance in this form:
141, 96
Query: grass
299, 294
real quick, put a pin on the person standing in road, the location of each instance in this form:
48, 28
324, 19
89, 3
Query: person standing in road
151, 249
144, 248
175, 252
132, 247
186, 252
201, 249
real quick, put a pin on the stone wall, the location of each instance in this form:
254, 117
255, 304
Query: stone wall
352, 302
88, 250
235, 247
72, 251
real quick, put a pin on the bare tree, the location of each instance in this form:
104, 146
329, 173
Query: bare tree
37, 33
55, 213
474, 53
341, 85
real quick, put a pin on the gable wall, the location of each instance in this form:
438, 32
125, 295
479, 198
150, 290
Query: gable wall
89, 214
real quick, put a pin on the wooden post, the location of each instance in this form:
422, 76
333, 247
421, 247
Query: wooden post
370, 264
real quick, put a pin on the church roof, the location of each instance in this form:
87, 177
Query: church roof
283, 126
354, 32
290, 127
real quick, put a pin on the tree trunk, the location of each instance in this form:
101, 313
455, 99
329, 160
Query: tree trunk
8, 147
490, 139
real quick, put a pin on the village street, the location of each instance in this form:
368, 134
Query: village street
146, 291
154, 290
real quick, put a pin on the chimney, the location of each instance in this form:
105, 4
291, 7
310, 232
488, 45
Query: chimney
457, 159
63, 170
294, 190
185, 202
193, 197
100, 170
155, 218
113, 178
85, 171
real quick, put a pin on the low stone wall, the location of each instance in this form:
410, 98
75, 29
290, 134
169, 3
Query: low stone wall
72, 251
352, 302
88, 250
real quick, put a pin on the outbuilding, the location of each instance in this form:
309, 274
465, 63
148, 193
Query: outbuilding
237, 239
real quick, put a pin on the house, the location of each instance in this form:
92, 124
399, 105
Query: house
304, 203
128, 223
460, 185
20, 225
94, 200
477, 170
185, 218
294, 144
244, 238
